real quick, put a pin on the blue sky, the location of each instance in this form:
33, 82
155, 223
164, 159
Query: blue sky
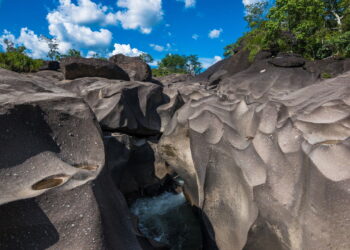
157, 27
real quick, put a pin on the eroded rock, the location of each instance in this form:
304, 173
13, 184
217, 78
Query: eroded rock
49, 139
73, 67
273, 170
136, 68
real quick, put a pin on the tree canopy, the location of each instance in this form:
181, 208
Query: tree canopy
181, 64
315, 29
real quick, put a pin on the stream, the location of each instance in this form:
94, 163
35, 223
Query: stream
170, 220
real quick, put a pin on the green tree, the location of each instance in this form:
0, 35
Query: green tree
180, 64
53, 53
147, 58
15, 59
256, 14
315, 29
72, 53
193, 66
10, 47
174, 62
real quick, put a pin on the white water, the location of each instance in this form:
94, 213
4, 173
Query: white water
168, 219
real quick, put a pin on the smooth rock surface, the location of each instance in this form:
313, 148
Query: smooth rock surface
136, 108
136, 68
271, 173
49, 138
73, 67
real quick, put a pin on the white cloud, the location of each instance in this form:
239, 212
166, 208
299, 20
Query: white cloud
188, 3
207, 62
215, 33
125, 49
160, 48
38, 48
157, 47
9, 36
195, 36
140, 14
35, 45
69, 24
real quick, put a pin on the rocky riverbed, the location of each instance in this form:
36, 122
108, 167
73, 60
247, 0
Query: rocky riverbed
262, 147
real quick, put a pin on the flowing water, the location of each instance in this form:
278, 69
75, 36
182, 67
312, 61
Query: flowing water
170, 220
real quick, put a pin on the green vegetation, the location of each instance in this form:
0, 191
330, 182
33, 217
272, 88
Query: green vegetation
72, 53
147, 58
315, 29
15, 59
178, 64
326, 75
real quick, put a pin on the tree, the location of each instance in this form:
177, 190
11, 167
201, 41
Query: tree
10, 47
147, 58
15, 59
175, 63
315, 29
181, 64
72, 53
53, 53
194, 67
337, 10
256, 14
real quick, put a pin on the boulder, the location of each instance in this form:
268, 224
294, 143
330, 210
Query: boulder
262, 79
174, 78
49, 137
130, 107
136, 68
287, 61
73, 67
92, 216
269, 173
46, 75
50, 65
329, 67
227, 67
55, 192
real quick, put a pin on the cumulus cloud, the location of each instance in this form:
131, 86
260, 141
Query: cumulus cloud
195, 36
188, 3
125, 49
207, 62
70, 24
215, 33
160, 48
140, 14
9, 36
36, 46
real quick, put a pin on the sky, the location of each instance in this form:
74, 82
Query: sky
130, 27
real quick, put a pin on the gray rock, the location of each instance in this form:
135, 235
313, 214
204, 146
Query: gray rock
73, 67
92, 216
287, 61
271, 173
50, 65
136, 68
52, 151
174, 78
50, 139
130, 107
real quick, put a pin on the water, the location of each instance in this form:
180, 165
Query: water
170, 220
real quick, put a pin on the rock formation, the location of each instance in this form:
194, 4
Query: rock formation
263, 148
136, 68
266, 159
73, 67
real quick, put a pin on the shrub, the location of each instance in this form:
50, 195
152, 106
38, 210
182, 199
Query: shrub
19, 62
326, 75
